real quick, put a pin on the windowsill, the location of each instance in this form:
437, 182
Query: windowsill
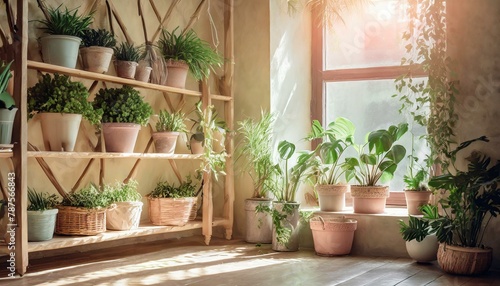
390, 211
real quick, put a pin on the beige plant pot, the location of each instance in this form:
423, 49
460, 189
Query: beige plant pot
415, 199
96, 59
424, 251
60, 50
177, 73
124, 216
258, 224
60, 130
195, 145
165, 142
142, 73
464, 260
332, 197
291, 222
125, 69
120, 137
332, 236
369, 199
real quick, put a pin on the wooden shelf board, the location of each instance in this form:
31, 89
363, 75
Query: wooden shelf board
6, 154
114, 79
52, 154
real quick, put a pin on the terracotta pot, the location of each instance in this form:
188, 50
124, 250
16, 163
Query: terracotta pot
123, 215
415, 199
332, 197
60, 130
258, 224
177, 73
369, 199
291, 222
125, 69
423, 251
142, 73
165, 142
464, 260
120, 137
332, 236
96, 59
60, 50
6, 123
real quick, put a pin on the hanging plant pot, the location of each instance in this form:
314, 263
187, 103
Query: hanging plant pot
415, 199
176, 73
126, 69
464, 260
165, 142
286, 234
120, 137
332, 197
142, 73
96, 59
369, 199
6, 122
332, 236
60, 50
41, 224
423, 251
124, 216
60, 130
258, 224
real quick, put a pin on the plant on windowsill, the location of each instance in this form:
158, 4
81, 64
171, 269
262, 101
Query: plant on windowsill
377, 161
60, 103
97, 50
127, 58
472, 198
126, 206
8, 107
42, 214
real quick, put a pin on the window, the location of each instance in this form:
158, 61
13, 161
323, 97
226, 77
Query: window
354, 67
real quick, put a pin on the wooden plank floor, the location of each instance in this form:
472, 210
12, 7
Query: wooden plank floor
189, 262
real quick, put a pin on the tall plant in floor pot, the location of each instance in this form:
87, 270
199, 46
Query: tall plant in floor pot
377, 161
8, 107
254, 153
125, 210
60, 103
42, 214
97, 50
472, 198
168, 128
327, 165
65, 28
127, 58
123, 112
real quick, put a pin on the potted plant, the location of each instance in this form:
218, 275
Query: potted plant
254, 151
42, 214
83, 212
472, 198
127, 58
60, 103
65, 29
377, 161
126, 206
327, 165
8, 107
170, 204
123, 112
168, 128
417, 192
207, 119
332, 236
185, 51
97, 50
421, 240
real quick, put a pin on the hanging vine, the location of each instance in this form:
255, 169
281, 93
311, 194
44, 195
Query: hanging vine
431, 103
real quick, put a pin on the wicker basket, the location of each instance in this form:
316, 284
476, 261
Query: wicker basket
194, 210
80, 221
464, 260
170, 211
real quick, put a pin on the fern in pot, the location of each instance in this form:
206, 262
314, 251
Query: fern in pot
168, 128
8, 107
42, 214
126, 206
127, 58
97, 50
123, 112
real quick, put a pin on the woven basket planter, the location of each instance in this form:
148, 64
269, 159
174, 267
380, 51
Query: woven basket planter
194, 210
464, 260
124, 216
80, 221
170, 211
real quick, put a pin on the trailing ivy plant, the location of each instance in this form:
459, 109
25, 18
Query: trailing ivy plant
431, 102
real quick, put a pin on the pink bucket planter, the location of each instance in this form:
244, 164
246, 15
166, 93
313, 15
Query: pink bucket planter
333, 236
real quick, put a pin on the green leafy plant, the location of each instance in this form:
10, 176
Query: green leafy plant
61, 95
41, 201
6, 100
165, 189
255, 151
127, 52
473, 198
419, 228
188, 47
98, 37
417, 175
283, 233
123, 192
170, 122
66, 22
122, 105
380, 160
89, 197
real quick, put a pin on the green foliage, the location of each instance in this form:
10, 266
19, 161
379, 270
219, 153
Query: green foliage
473, 198
256, 149
127, 52
327, 13
41, 201
61, 95
166, 190
66, 22
170, 122
283, 232
89, 197
122, 192
418, 175
98, 37
122, 105
188, 47
381, 159
6, 100
419, 227
336, 138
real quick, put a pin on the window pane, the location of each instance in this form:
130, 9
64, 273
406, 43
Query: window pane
370, 106
371, 36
